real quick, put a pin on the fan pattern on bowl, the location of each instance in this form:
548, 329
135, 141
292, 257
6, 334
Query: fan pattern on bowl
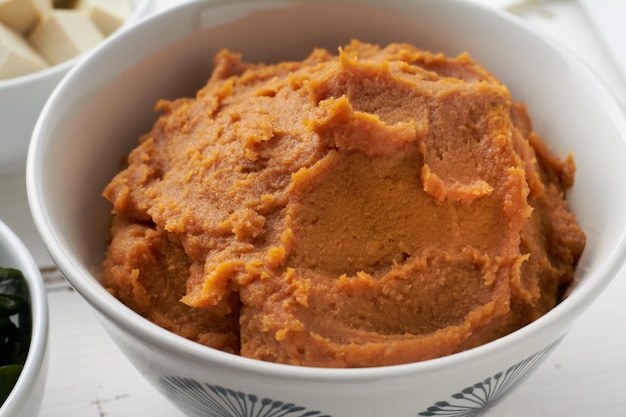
201, 400
478, 399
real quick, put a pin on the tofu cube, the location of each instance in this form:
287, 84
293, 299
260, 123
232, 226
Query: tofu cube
65, 34
22, 15
17, 57
108, 15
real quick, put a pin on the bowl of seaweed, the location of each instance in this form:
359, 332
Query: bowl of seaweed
23, 329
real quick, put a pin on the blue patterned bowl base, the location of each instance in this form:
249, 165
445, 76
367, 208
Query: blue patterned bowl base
478, 399
199, 399
207, 400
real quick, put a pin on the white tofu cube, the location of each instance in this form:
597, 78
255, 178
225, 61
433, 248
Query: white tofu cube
23, 15
17, 57
44, 6
65, 34
108, 15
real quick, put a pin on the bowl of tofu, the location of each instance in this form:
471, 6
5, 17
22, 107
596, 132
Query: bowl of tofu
40, 40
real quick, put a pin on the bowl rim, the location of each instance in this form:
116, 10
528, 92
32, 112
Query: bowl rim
142, 8
561, 316
37, 352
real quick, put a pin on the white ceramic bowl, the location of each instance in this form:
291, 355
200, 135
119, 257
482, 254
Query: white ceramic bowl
98, 112
22, 98
27, 394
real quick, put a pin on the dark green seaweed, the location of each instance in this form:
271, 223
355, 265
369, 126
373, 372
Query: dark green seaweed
15, 328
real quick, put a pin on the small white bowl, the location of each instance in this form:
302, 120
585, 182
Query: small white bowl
97, 113
22, 98
27, 394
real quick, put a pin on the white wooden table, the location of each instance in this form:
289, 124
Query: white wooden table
585, 376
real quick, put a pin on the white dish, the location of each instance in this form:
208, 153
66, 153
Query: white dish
27, 394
